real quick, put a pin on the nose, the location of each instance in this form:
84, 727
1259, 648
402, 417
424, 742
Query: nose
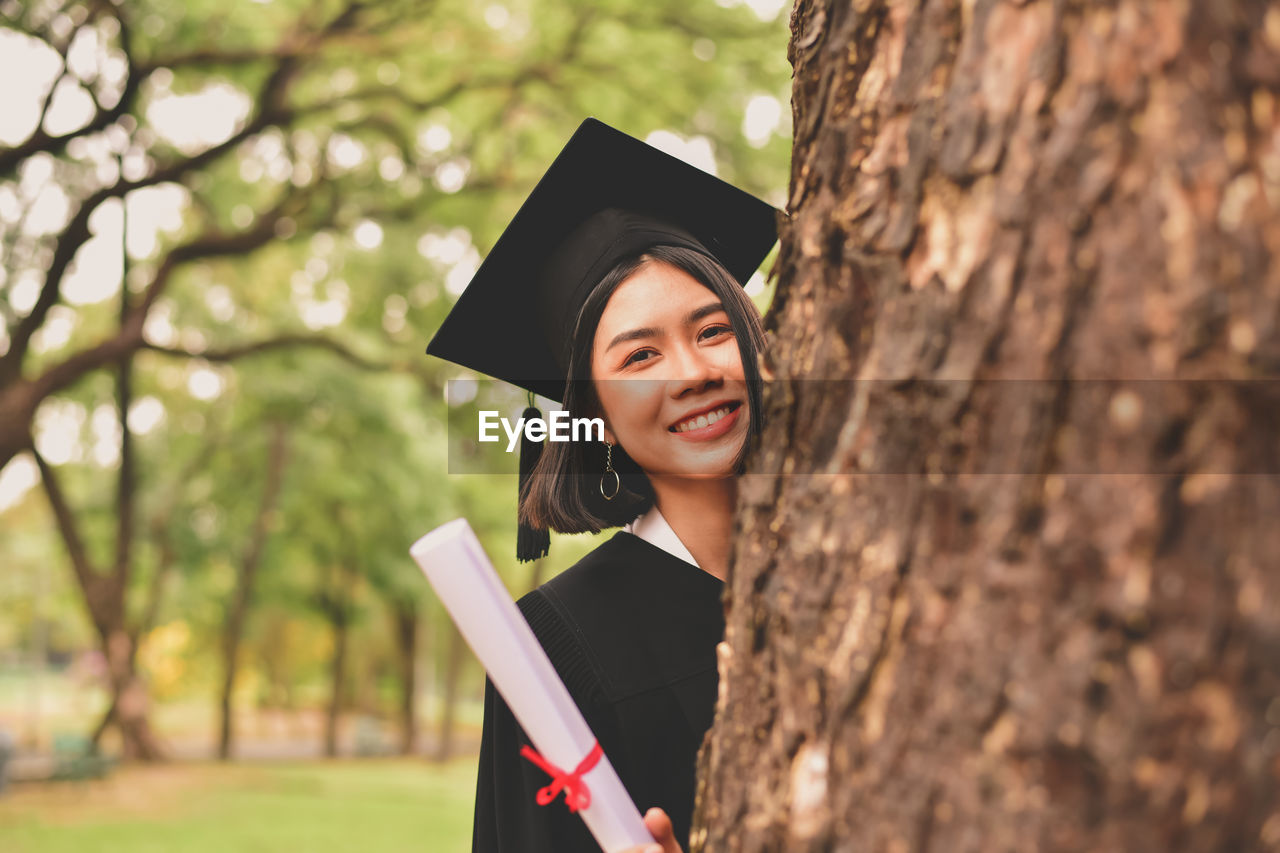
695, 369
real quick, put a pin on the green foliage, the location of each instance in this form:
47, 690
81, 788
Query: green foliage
312, 259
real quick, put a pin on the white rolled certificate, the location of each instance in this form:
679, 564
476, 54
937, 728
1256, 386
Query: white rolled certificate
460, 571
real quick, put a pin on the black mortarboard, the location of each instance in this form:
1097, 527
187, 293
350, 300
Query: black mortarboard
607, 196
534, 280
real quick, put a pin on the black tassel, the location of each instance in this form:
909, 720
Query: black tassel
531, 542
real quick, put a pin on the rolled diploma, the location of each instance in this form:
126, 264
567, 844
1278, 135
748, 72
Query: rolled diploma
460, 571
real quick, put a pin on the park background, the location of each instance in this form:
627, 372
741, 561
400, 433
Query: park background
211, 636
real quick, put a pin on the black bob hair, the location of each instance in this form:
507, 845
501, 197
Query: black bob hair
562, 492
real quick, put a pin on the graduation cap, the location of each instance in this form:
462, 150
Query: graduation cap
607, 196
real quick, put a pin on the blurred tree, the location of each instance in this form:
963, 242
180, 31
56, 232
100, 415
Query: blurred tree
246, 571
399, 584
337, 601
364, 481
1014, 588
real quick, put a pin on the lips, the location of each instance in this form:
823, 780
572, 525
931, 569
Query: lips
705, 417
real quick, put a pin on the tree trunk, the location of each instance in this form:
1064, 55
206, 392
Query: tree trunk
405, 614
105, 592
275, 662
242, 597
129, 701
340, 609
158, 582
449, 702
337, 676
104, 598
1005, 579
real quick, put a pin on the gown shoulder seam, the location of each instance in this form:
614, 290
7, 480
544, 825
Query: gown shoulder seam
565, 645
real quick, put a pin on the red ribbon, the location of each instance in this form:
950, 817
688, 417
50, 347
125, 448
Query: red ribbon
576, 793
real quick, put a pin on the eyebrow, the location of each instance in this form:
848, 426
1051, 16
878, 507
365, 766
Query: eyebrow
650, 331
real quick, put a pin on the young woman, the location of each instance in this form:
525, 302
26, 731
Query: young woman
648, 329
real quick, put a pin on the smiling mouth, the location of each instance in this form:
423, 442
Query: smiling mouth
704, 419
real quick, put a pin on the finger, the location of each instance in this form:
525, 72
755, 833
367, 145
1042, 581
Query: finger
659, 826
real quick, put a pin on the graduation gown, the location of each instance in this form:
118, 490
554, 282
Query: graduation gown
632, 631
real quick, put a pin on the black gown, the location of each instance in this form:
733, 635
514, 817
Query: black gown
632, 631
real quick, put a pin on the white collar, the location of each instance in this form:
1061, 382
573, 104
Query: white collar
654, 529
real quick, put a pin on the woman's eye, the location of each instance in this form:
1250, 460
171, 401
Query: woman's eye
713, 331
635, 357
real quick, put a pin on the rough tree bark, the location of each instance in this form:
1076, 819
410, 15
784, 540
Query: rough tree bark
1014, 588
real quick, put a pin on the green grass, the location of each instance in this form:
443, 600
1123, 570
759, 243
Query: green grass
384, 805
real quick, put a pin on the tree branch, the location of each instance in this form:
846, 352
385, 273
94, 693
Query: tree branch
126, 476
160, 532
301, 44
130, 338
39, 141
155, 590
272, 110
218, 245
77, 231
238, 351
90, 581
211, 58
48, 98
75, 366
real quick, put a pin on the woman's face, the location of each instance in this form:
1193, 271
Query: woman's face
668, 375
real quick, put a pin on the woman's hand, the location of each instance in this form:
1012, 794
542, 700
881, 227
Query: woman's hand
659, 826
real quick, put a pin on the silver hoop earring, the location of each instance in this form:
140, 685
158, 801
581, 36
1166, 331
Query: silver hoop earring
608, 469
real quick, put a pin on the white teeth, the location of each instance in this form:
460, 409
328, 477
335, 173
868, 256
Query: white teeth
702, 420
